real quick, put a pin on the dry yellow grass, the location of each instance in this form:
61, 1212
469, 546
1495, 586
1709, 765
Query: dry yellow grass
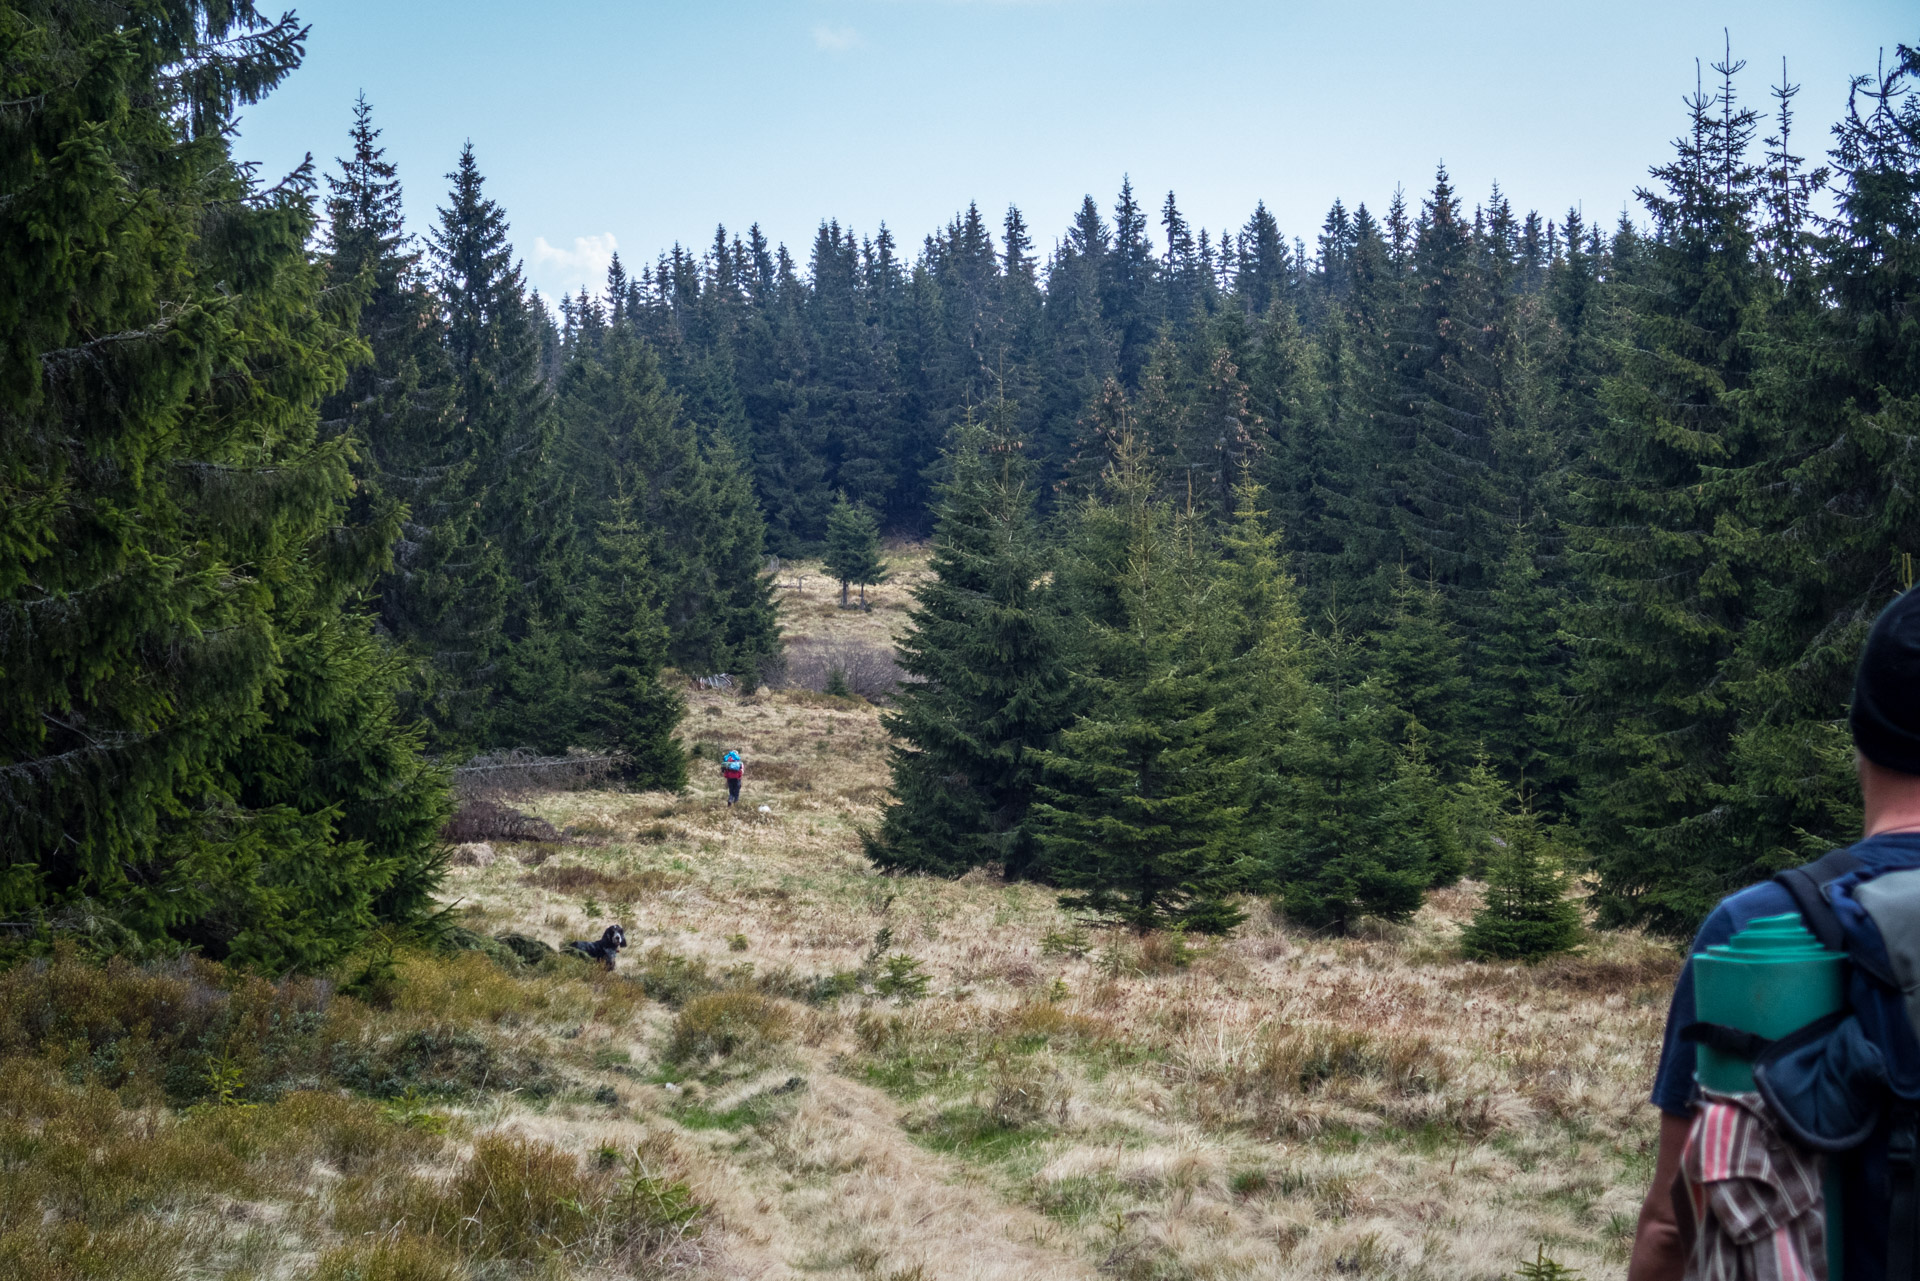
1282, 1106
900, 1079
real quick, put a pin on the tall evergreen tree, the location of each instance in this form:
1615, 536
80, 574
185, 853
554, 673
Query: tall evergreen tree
624, 441
443, 599
1140, 814
1824, 517
1261, 679
1520, 704
1445, 404
198, 734
991, 688
623, 705
1417, 661
501, 397
1219, 436
1667, 605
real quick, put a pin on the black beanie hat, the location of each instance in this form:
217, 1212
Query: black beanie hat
1886, 689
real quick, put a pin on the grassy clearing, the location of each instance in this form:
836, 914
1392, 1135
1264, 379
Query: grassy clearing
803, 1068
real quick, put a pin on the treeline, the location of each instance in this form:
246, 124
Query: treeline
1467, 534
569, 530
1306, 570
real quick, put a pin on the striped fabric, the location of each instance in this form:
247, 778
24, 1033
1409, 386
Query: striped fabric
1758, 1212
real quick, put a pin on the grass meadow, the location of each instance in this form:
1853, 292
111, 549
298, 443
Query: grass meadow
804, 1069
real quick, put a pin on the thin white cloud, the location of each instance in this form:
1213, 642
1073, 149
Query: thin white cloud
836, 39
586, 263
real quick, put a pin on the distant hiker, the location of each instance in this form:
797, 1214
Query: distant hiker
603, 949
1738, 1194
731, 768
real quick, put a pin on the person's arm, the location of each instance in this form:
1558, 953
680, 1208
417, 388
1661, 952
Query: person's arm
1658, 1254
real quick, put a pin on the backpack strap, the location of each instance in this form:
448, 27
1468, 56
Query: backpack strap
1727, 1040
1903, 1220
1807, 885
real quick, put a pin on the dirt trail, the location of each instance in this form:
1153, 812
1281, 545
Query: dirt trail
837, 1188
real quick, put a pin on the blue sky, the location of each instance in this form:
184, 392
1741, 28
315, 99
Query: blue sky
635, 125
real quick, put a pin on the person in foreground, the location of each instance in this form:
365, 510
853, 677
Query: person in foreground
1885, 720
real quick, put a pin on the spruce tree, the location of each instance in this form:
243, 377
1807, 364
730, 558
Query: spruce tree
624, 705
1265, 269
1141, 814
1082, 348
1444, 405
198, 732
1218, 438
1354, 842
443, 600
623, 440
1825, 516
501, 399
1261, 680
1665, 604
1431, 808
853, 548
744, 631
1479, 808
1128, 284
1527, 914
1102, 426
1417, 661
990, 687
1287, 388
1520, 707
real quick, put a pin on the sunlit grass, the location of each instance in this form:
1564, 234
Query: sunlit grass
831, 1071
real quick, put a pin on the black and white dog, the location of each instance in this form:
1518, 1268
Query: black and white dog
605, 948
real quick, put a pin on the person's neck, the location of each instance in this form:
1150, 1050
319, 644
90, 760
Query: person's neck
1890, 800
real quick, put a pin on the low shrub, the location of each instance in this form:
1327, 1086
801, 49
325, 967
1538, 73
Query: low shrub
1072, 942
1164, 951
350, 1134
863, 668
1043, 1022
518, 1199
484, 819
143, 1249
100, 1191
468, 987
152, 1030
438, 1062
737, 1022
670, 978
1025, 1093
512, 1199
901, 978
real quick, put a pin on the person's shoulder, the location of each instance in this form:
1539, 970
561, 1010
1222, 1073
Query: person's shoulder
1889, 851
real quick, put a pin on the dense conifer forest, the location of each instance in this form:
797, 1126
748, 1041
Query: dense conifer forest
1452, 539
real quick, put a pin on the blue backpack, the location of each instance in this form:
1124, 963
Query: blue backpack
1836, 1083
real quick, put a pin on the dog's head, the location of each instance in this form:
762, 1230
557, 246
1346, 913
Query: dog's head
615, 938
